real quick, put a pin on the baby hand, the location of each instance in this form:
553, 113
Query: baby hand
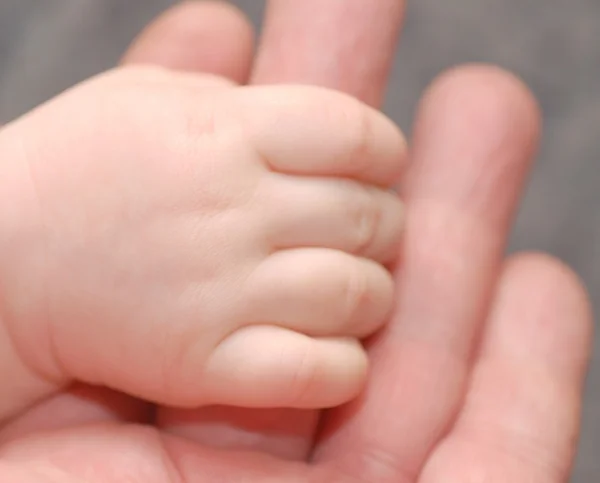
192, 242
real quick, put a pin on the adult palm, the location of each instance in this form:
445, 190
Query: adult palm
478, 376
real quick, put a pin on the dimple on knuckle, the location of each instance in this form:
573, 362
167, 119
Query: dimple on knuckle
365, 214
354, 124
359, 132
175, 109
305, 372
356, 290
179, 113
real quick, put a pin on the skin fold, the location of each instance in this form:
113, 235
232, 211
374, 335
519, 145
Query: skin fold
477, 377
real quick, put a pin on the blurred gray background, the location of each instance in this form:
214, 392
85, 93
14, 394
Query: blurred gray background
47, 45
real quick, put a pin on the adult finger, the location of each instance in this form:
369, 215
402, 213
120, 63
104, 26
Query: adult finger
199, 36
474, 140
521, 417
341, 44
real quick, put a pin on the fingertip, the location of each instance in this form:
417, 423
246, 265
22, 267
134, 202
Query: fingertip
317, 131
550, 286
502, 95
521, 415
489, 75
202, 36
269, 366
228, 15
475, 139
555, 271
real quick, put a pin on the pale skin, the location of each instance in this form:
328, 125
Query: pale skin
227, 242
477, 377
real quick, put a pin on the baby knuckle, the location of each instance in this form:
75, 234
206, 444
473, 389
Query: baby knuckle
353, 122
304, 372
365, 214
360, 141
197, 124
356, 291
187, 130
355, 126
177, 112
170, 111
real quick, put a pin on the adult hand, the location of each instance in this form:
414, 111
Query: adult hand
479, 375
